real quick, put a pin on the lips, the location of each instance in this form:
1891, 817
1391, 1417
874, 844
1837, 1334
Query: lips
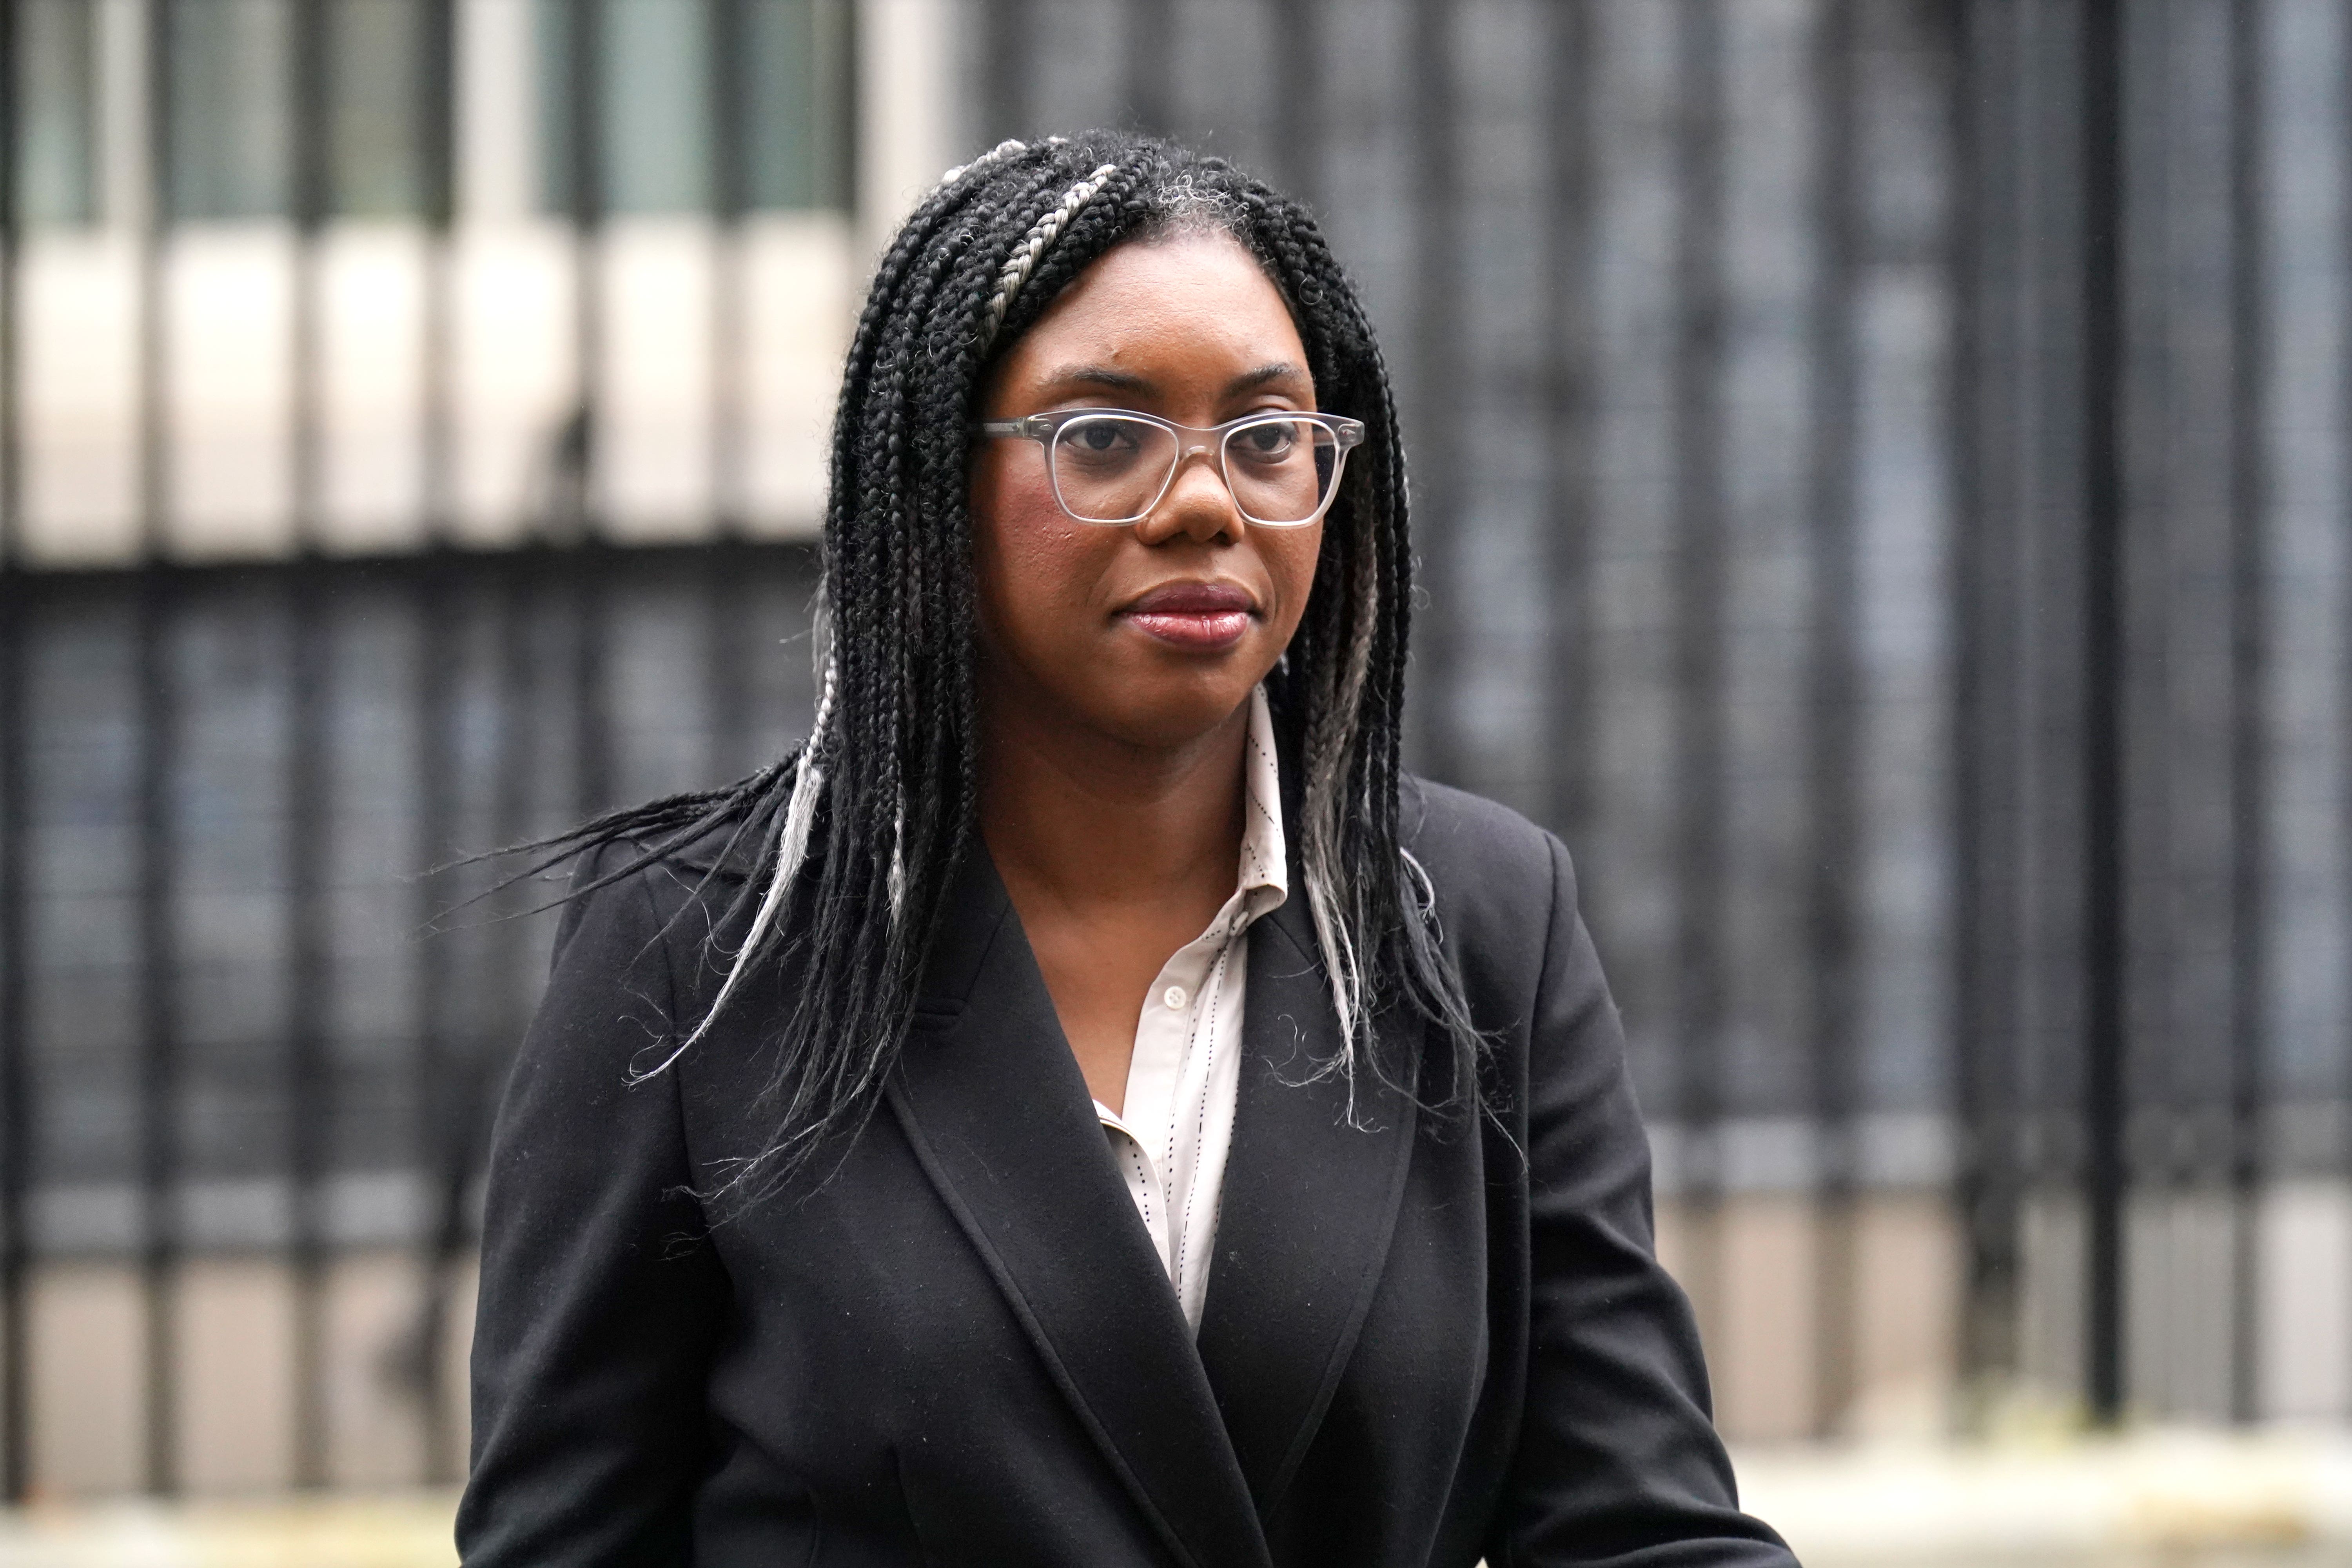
1202, 617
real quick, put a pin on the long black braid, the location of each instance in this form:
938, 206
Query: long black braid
856, 836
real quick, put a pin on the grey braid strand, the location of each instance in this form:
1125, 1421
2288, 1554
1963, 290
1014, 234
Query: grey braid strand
996, 155
1032, 249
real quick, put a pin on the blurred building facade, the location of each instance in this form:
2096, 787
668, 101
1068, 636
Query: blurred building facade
1880, 472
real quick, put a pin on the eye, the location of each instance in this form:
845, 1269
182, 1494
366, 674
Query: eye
1269, 442
1107, 439
1101, 437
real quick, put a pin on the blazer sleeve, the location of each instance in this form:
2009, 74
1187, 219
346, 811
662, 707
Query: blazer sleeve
601, 1299
1618, 1462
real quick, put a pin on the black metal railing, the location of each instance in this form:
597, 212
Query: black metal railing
1705, 316
266, 1009
264, 758
1879, 472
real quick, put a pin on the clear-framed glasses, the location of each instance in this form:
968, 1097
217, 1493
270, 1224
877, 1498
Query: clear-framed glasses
1111, 467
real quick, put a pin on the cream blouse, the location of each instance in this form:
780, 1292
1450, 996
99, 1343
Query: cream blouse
1171, 1137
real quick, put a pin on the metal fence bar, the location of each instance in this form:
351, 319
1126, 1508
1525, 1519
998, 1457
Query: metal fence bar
838, 19
498, 1011
1565, 326
584, 199
1834, 683
2250, 678
2343, 650
1698, 590
12, 81
1982, 108
1296, 99
436, 152
452, 1098
16, 952
1436, 173
433, 590
2106, 674
434, 706
309, 1086
157, 885
588, 198
728, 68
157, 890
726, 594
1003, 88
1151, 52
309, 948
16, 805
2343, 606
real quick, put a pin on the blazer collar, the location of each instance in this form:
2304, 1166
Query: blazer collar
1310, 1202
1206, 1434
994, 1106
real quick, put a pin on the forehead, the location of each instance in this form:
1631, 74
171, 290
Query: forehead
1150, 304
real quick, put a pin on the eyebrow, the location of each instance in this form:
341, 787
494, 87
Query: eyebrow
1280, 370
1096, 375
1093, 375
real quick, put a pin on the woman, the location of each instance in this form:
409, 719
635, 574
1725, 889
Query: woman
1088, 1106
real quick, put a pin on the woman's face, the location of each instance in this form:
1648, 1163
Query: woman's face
1153, 633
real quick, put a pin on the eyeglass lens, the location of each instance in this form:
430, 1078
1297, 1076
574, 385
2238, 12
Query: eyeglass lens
1112, 468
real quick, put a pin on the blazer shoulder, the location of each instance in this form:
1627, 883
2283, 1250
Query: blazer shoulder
1481, 854
638, 958
1505, 895
631, 899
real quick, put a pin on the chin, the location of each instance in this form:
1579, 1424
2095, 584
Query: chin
1165, 714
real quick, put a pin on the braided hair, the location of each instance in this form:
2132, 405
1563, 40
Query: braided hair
857, 834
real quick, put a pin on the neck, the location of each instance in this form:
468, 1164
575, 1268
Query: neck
1089, 820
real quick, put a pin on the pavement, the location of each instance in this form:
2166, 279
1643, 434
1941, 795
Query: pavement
405, 1529
2153, 1499
2150, 1499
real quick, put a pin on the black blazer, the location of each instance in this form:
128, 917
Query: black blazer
959, 1346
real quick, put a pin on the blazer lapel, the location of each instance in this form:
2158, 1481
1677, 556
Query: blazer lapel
1309, 1204
997, 1111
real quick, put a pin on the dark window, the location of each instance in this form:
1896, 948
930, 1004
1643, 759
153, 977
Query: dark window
232, 106
57, 157
657, 75
796, 104
228, 73
376, 99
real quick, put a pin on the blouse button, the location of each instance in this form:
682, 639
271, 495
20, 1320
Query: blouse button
1173, 996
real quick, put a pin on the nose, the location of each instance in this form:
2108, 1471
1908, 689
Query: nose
1197, 505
